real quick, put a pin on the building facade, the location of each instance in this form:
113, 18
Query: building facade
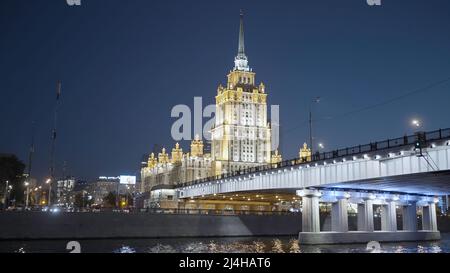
64, 188
169, 170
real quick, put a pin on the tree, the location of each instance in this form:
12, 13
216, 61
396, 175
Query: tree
82, 200
130, 199
110, 199
11, 169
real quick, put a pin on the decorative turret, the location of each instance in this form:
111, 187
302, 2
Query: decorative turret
219, 89
197, 146
276, 157
163, 157
152, 161
305, 153
177, 153
262, 88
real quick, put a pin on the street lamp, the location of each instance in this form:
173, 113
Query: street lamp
311, 145
416, 123
321, 146
49, 182
28, 193
6, 192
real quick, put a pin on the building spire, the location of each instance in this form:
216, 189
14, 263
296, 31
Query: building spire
240, 61
241, 50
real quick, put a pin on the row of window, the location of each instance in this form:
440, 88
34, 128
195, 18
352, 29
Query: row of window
245, 80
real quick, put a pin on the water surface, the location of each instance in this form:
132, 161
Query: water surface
219, 245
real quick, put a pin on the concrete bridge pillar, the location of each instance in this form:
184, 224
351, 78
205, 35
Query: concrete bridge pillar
339, 215
389, 216
429, 221
409, 216
365, 215
310, 211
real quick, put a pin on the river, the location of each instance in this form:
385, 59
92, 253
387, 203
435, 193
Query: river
218, 245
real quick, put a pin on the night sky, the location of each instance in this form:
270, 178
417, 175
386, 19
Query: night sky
125, 63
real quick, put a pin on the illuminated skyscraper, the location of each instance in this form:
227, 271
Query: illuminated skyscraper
241, 137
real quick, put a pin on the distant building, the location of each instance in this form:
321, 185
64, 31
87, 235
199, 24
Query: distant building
101, 187
64, 188
162, 196
80, 185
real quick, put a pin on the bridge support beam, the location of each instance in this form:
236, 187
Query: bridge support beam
340, 234
310, 211
365, 216
429, 217
339, 215
409, 216
389, 216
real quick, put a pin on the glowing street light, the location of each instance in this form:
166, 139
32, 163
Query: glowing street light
27, 184
416, 123
49, 182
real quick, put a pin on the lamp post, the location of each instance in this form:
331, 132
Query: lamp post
6, 193
27, 184
49, 182
311, 145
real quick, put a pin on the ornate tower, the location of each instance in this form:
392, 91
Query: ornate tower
177, 153
241, 136
305, 153
276, 157
163, 157
152, 161
197, 146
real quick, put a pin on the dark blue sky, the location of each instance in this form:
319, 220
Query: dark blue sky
125, 64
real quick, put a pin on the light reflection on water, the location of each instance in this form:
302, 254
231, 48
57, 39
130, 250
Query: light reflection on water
220, 245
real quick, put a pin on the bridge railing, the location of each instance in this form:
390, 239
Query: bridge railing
159, 211
441, 134
214, 212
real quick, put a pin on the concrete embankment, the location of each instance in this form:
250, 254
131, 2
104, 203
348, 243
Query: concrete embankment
36, 225
40, 225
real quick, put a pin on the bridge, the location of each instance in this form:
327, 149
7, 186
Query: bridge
408, 172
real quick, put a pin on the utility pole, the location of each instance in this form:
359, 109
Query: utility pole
30, 159
310, 131
118, 195
61, 189
31, 152
52, 152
